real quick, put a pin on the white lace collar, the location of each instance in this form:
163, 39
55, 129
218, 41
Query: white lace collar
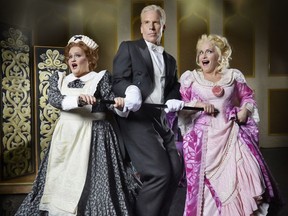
226, 79
86, 77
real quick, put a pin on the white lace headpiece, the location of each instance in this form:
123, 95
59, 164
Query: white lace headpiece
88, 41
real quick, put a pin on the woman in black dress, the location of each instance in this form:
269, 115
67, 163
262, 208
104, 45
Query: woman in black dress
82, 172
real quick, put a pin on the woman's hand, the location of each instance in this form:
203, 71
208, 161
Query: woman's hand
242, 115
119, 103
208, 108
86, 99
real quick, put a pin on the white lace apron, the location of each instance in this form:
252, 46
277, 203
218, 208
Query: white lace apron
69, 153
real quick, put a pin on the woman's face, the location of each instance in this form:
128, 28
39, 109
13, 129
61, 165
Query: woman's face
208, 57
78, 61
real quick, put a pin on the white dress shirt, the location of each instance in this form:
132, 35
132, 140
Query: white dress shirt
157, 96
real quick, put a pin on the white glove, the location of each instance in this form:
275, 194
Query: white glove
173, 105
133, 99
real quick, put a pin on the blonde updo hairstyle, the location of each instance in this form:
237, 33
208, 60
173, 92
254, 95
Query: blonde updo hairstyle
222, 47
91, 54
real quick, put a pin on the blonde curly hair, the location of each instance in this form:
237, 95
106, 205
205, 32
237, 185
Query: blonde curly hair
222, 47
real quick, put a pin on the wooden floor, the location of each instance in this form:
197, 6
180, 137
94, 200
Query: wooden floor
277, 160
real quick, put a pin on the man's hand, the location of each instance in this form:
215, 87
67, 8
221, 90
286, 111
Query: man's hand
174, 105
133, 99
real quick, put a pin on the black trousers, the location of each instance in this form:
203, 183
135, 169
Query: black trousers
151, 147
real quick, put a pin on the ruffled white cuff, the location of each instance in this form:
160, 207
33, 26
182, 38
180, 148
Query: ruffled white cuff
191, 103
70, 102
121, 113
253, 110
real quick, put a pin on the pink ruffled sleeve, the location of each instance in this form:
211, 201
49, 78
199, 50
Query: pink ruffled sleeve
186, 81
246, 95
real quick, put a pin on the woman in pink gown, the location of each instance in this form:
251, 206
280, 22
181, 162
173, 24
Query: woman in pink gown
226, 173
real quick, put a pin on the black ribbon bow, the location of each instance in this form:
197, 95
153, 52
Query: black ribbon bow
76, 84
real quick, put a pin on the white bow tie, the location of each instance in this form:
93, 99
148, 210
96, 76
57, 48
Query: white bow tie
159, 49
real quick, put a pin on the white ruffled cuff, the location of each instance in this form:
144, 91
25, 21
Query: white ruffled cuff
70, 102
253, 110
121, 113
191, 103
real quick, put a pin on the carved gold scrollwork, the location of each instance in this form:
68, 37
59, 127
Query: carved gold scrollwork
18, 142
16, 106
15, 41
52, 60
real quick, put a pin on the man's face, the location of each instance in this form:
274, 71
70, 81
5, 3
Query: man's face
151, 28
